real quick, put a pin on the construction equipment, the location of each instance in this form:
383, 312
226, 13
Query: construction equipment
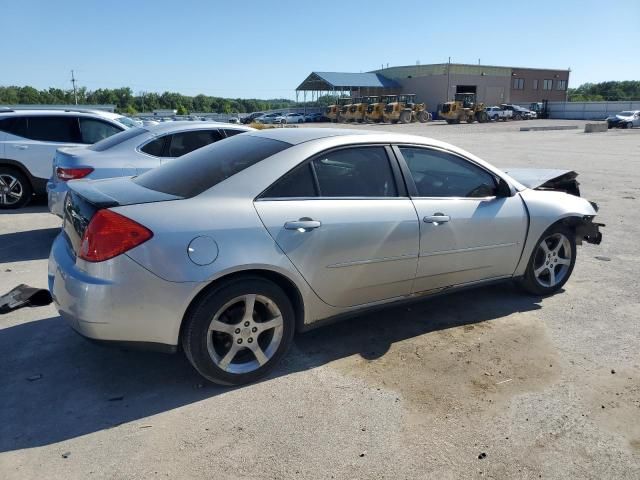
541, 109
357, 110
332, 112
375, 109
404, 109
463, 108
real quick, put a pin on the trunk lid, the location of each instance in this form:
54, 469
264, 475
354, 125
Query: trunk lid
86, 197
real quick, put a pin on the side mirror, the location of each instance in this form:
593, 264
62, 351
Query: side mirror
503, 190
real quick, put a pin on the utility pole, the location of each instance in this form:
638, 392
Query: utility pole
73, 82
448, 71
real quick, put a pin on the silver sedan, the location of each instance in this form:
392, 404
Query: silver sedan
240, 244
130, 153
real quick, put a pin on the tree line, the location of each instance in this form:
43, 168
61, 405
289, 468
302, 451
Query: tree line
128, 103
606, 91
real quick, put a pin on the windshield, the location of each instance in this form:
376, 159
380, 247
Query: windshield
201, 169
127, 122
626, 114
117, 139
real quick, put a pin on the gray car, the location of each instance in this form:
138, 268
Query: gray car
240, 244
130, 153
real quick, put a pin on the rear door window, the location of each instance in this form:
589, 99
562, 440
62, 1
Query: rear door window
14, 125
63, 129
116, 139
186, 142
229, 132
298, 183
155, 148
92, 130
355, 172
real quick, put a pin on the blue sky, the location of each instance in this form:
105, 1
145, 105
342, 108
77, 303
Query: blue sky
263, 49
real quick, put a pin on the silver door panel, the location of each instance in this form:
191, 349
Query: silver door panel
364, 251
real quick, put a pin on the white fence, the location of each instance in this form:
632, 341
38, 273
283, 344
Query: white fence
589, 110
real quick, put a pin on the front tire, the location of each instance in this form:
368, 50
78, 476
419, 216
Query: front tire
238, 332
629, 125
551, 262
15, 189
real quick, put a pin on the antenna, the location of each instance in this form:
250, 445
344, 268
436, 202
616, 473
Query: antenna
73, 82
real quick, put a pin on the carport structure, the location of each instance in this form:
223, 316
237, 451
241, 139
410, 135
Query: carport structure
338, 84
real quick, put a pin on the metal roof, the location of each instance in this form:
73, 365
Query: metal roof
346, 81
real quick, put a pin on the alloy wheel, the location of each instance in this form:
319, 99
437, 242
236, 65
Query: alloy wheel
245, 333
552, 260
11, 189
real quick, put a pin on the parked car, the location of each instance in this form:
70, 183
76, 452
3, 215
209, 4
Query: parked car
252, 117
234, 120
626, 119
238, 245
29, 139
497, 113
293, 118
270, 118
315, 117
131, 153
518, 112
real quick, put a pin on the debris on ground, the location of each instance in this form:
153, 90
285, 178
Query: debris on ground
24, 296
482, 455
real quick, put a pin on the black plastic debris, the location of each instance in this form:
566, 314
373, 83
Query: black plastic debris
24, 296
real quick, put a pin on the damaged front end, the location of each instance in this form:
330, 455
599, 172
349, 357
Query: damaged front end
547, 179
561, 181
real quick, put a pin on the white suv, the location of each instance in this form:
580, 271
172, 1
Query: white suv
29, 140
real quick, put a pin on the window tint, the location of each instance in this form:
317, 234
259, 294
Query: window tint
229, 132
92, 130
355, 172
297, 183
186, 142
14, 126
53, 129
116, 139
208, 166
155, 147
440, 174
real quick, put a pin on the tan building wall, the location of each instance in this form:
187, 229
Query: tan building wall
528, 85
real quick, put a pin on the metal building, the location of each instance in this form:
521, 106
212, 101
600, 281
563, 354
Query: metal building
437, 83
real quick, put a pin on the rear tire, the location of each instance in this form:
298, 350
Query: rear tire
228, 345
423, 116
405, 117
15, 189
551, 262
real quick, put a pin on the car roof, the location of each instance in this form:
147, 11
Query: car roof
166, 127
295, 136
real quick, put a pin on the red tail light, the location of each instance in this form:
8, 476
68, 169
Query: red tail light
65, 174
109, 234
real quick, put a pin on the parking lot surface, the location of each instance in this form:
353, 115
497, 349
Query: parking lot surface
487, 383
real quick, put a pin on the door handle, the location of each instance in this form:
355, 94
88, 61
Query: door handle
302, 225
436, 218
21, 147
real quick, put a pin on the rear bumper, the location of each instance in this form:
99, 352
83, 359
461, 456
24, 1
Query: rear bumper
56, 193
116, 300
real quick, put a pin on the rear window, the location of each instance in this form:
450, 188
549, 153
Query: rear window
116, 139
202, 169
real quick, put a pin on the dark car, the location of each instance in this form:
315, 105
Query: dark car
251, 117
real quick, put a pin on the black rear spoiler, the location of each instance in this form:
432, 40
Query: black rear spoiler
115, 192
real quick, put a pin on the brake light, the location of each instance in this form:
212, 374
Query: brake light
65, 174
110, 234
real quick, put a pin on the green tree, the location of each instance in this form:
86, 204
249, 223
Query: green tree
181, 110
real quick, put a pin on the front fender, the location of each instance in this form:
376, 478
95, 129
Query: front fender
548, 207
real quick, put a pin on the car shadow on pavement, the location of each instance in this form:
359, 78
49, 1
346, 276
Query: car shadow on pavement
29, 245
55, 386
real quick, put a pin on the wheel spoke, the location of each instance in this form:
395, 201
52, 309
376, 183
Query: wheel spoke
226, 360
218, 326
557, 248
552, 277
545, 247
269, 324
13, 183
564, 261
2, 182
257, 351
3, 199
249, 304
539, 271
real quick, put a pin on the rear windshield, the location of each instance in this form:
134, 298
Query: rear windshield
195, 172
116, 139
